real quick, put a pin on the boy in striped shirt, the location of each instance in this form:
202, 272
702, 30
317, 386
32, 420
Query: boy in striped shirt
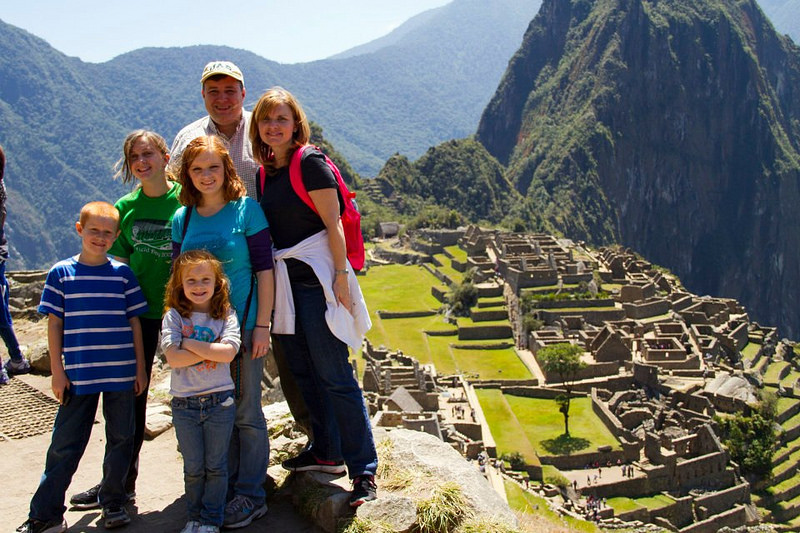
92, 303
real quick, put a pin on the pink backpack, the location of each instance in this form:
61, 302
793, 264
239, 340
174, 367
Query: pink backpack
351, 218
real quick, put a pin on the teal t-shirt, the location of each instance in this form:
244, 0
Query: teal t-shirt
145, 241
224, 234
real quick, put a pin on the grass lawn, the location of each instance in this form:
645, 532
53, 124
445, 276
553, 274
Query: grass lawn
544, 424
491, 364
656, 318
656, 501
508, 434
488, 303
791, 378
442, 355
750, 350
785, 403
774, 371
457, 253
448, 270
621, 504
791, 462
399, 288
792, 422
406, 334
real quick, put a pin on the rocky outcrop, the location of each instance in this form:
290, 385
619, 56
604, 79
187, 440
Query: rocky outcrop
413, 466
671, 127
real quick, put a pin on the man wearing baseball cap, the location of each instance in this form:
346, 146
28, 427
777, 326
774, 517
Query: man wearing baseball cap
222, 87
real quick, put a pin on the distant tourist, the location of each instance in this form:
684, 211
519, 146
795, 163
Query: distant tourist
318, 300
222, 87
220, 219
92, 305
144, 243
200, 338
17, 363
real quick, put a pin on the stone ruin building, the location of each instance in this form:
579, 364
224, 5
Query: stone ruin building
660, 362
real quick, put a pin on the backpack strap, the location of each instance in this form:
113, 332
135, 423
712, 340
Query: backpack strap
260, 182
296, 177
186, 223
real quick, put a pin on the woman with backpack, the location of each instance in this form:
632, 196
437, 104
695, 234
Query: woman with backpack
319, 309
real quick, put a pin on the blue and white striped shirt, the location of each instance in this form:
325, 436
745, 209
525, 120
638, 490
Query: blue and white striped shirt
95, 303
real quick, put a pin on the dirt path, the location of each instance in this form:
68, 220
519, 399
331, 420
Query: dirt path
159, 507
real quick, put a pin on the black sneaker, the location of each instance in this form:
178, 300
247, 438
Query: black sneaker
364, 490
114, 516
37, 526
308, 461
89, 499
86, 499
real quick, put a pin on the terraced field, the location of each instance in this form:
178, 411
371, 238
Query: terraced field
531, 425
431, 339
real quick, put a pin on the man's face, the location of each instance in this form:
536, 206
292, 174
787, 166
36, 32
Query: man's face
224, 99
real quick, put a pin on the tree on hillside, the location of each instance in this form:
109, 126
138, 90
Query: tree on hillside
751, 440
565, 360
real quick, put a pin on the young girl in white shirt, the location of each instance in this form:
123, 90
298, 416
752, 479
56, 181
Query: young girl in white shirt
200, 337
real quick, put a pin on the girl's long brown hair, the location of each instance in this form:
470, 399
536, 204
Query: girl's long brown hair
174, 296
232, 186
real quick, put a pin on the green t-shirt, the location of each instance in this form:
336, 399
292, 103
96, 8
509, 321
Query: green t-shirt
145, 241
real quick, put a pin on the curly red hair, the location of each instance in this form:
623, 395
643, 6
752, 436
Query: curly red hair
174, 296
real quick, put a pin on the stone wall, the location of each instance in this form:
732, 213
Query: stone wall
484, 332
404, 314
679, 513
646, 309
733, 518
438, 274
485, 315
574, 304
717, 502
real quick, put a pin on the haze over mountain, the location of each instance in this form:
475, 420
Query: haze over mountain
62, 121
670, 127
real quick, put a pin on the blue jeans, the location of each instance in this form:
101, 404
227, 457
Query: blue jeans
248, 456
71, 432
203, 425
319, 362
6, 324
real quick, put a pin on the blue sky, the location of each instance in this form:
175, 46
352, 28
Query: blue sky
286, 31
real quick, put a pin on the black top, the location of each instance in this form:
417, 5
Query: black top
290, 219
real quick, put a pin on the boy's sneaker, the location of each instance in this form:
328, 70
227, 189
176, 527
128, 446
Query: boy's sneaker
364, 490
21, 366
308, 461
37, 526
3, 376
115, 517
191, 526
208, 528
89, 499
241, 511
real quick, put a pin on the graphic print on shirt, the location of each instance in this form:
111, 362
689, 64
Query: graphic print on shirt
202, 333
152, 237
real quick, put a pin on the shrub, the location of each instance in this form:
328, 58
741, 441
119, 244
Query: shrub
515, 459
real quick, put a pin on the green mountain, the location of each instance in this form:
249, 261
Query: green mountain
458, 175
670, 127
62, 121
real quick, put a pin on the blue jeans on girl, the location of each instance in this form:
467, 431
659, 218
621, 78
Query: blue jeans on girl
203, 425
